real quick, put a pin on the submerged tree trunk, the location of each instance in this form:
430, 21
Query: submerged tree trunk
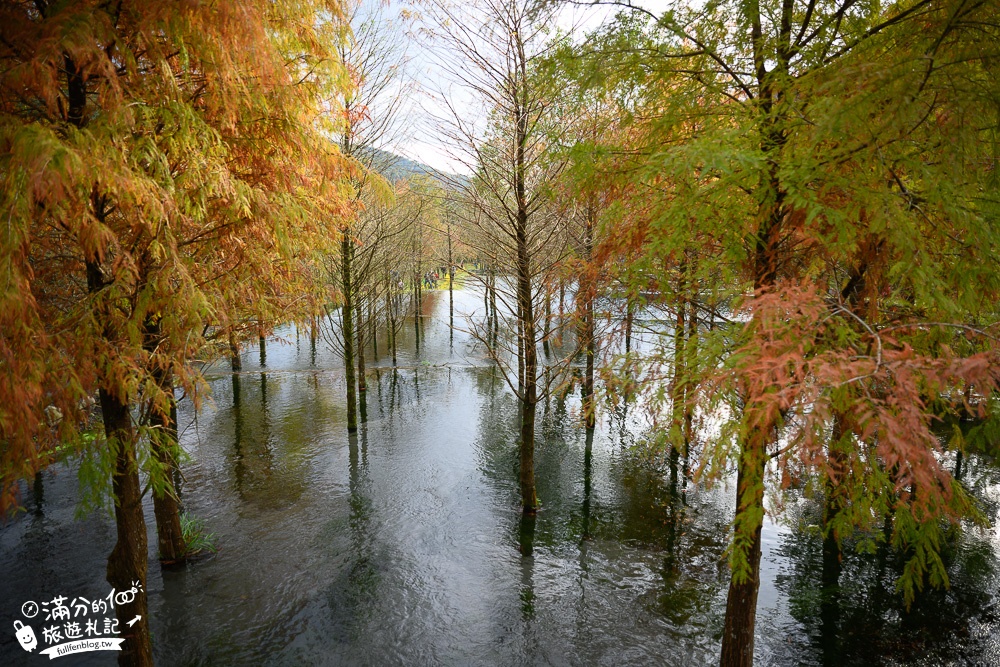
313, 336
690, 361
547, 330
529, 497
373, 333
766, 263
486, 298
493, 304
833, 503
417, 278
677, 397
390, 318
127, 562
562, 310
741, 603
587, 292
362, 382
165, 450
393, 330
525, 307
347, 333
588, 455
629, 316
166, 504
451, 281
590, 403
234, 354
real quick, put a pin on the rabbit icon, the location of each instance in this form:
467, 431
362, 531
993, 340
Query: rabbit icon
25, 636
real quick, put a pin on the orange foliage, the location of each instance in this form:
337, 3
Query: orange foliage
810, 359
163, 171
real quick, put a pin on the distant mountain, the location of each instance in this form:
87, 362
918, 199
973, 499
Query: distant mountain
396, 167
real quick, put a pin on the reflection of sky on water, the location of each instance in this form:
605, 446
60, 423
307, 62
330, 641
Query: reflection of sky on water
403, 544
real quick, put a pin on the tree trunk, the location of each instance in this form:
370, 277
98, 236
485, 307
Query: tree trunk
164, 448
520, 350
373, 331
629, 316
562, 308
127, 562
588, 453
677, 398
830, 599
833, 504
390, 319
741, 604
451, 280
765, 260
313, 335
417, 279
547, 330
166, 504
234, 354
690, 356
587, 292
529, 497
486, 298
493, 304
362, 381
347, 332
393, 330
525, 307
590, 404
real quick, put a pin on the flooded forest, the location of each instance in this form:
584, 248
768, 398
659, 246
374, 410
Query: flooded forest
501, 332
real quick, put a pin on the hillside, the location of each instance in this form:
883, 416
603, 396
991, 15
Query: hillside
396, 167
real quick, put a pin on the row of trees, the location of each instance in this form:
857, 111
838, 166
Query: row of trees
838, 164
404, 225
810, 189
807, 188
169, 188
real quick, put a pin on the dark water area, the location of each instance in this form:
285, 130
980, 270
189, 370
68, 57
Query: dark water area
403, 544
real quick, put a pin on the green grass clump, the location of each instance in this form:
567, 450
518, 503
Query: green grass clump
195, 537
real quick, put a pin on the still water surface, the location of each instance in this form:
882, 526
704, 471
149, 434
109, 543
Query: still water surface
403, 544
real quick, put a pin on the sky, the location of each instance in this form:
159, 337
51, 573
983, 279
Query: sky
423, 135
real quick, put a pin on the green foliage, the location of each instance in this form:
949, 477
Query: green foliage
828, 177
923, 543
96, 463
984, 437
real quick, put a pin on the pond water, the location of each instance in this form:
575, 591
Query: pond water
404, 544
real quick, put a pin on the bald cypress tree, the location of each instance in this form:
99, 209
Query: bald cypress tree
122, 127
